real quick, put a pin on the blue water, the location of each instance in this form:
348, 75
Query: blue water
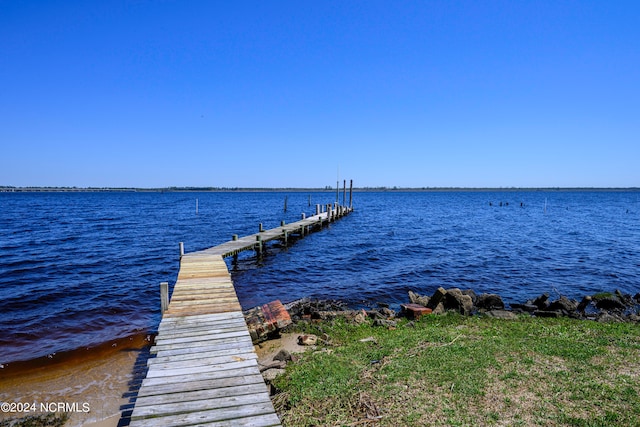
81, 269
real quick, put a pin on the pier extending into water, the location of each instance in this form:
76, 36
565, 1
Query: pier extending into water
205, 370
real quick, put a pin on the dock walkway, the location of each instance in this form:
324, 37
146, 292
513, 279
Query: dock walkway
205, 370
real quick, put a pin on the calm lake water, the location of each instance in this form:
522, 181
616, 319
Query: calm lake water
80, 269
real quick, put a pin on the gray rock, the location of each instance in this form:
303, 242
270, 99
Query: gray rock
272, 374
541, 301
437, 297
283, 356
546, 313
454, 299
501, 314
307, 340
584, 303
418, 299
439, 309
610, 304
529, 308
563, 304
490, 302
472, 294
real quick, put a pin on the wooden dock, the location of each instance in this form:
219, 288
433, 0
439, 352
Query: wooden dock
205, 370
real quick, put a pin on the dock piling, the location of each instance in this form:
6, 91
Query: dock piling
351, 195
181, 246
164, 296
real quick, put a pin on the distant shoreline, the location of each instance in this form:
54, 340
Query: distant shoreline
10, 189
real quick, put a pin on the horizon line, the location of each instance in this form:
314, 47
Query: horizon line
316, 189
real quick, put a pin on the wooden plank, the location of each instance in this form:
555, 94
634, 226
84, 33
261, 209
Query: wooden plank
199, 330
194, 326
267, 420
204, 318
202, 347
203, 309
210, 393
201, 377
153, 389
165, 373
171, 408
232, 350
202, 301
207, 337
205, 416
206, 360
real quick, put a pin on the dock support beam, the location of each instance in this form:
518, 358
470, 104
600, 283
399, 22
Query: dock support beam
181, 245
259, 244
164, 296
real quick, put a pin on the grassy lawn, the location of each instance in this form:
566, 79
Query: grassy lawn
452, 370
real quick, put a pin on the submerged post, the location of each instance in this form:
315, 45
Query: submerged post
164, 297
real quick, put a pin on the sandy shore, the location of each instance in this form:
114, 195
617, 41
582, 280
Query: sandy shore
95, 386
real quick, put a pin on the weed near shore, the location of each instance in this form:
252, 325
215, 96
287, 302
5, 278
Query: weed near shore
463, 371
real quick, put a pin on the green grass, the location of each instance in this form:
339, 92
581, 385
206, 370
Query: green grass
468, 371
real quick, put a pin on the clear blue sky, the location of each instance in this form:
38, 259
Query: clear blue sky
279, 94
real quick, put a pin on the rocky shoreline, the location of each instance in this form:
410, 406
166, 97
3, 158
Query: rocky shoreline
601, 307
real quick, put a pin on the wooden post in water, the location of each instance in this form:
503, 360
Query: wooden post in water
196, 206
259, 240
285, 203
181, 246
344, 193
351, 195
304, 215
234, 237
164, 297
282, 223
260, 229
309, 199
285, 235
337, 190
317, 209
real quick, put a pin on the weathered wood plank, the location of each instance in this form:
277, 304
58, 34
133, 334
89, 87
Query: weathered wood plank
171, 408
267, 420
206, 337
202, 361
165, 373
232, 350
195, 332
202, 347
200, 377
153, 389
197, 395
205, 416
